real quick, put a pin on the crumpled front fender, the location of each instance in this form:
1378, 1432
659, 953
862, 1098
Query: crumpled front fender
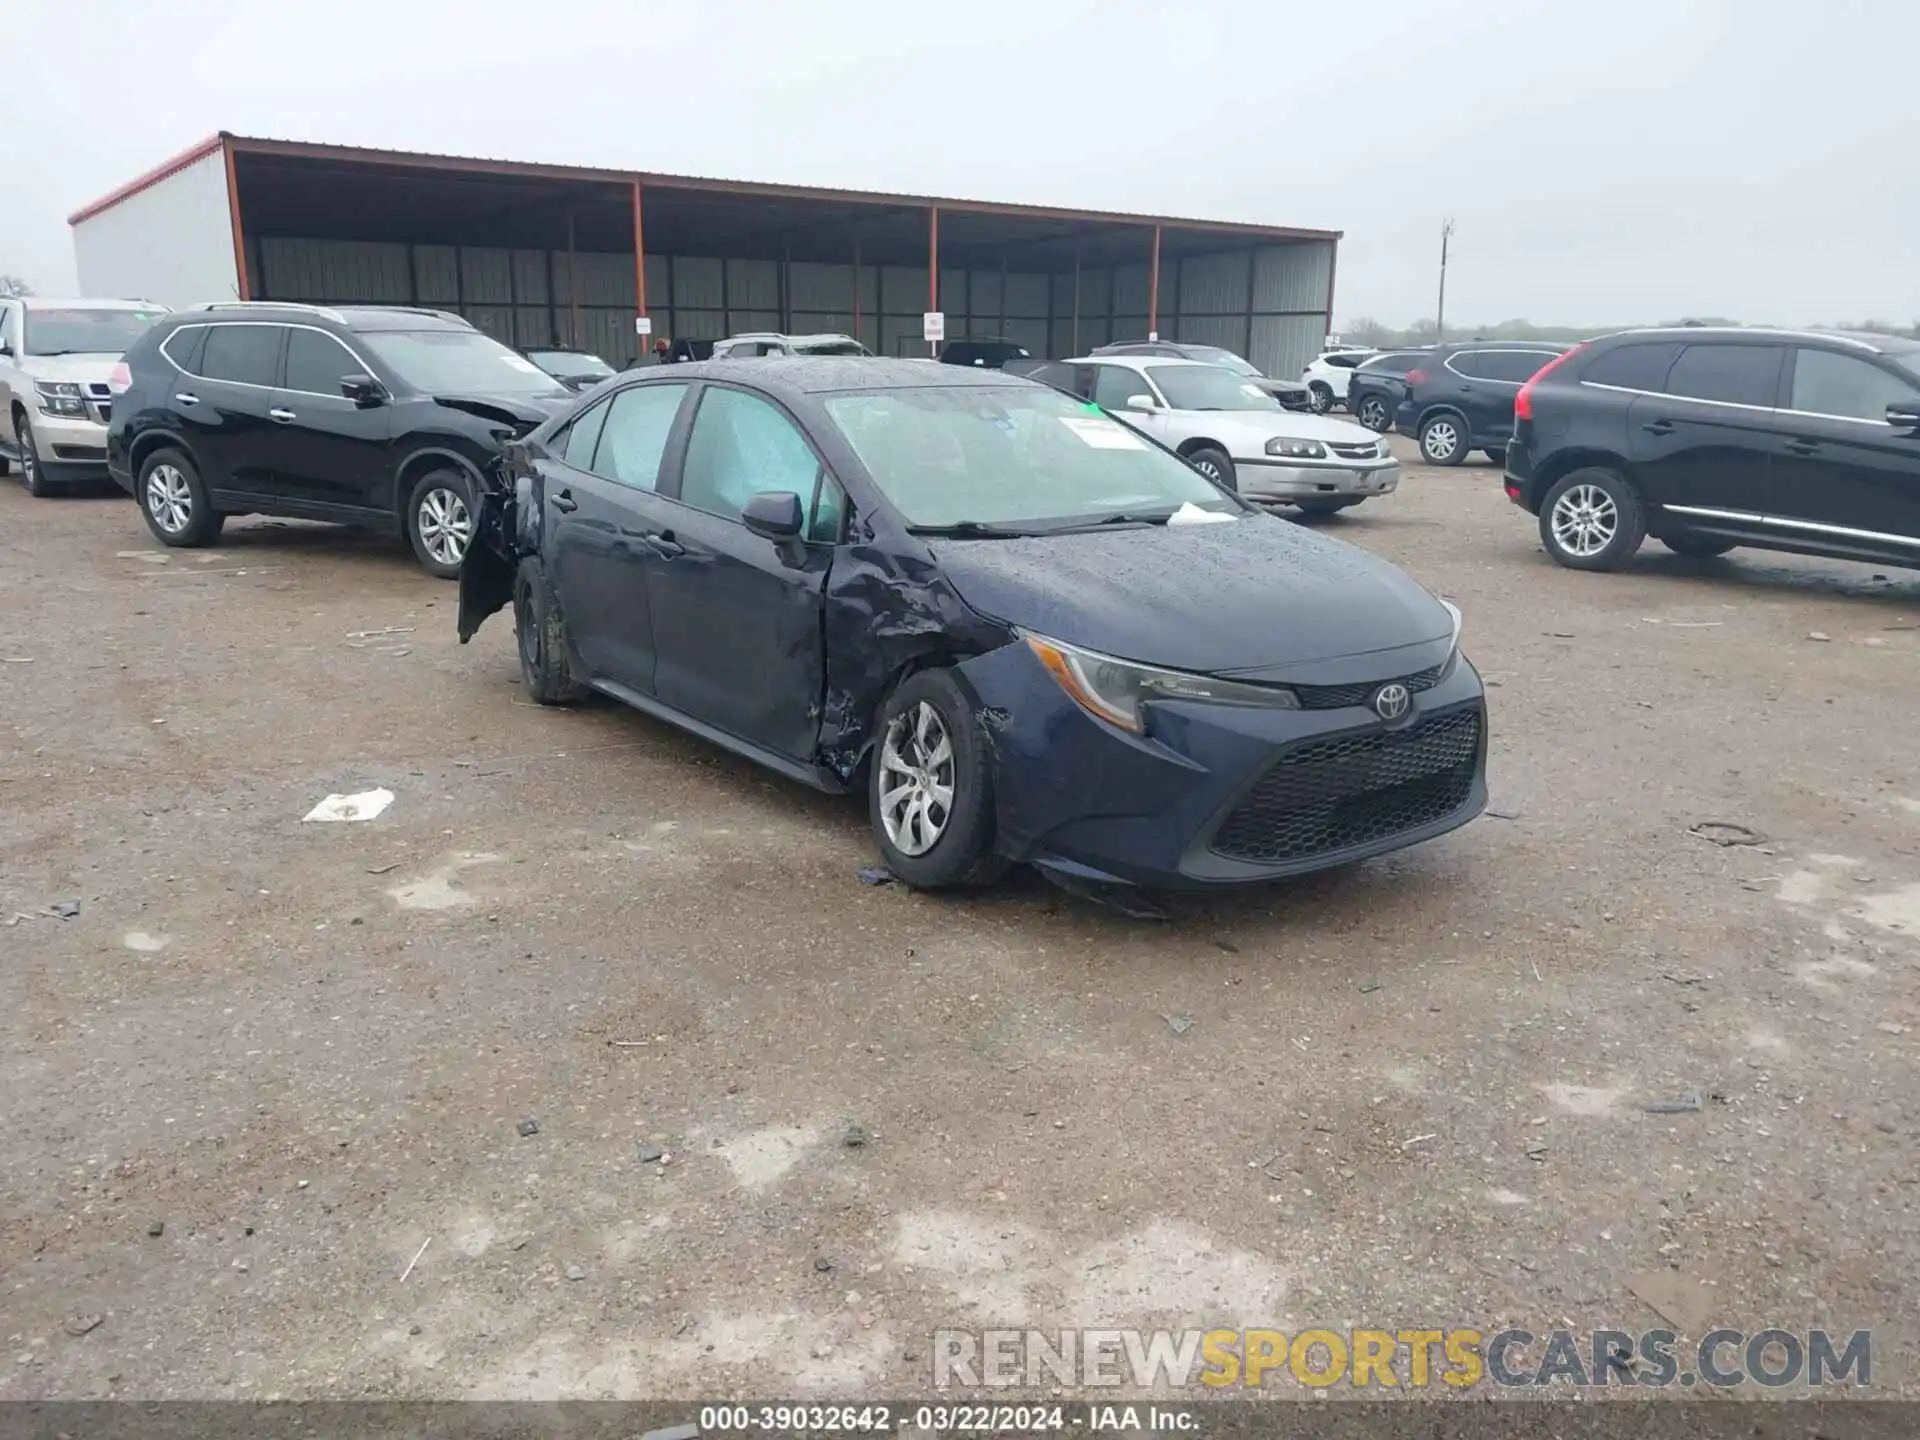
506, 527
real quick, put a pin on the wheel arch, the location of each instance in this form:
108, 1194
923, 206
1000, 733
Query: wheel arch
422, 462
1556, 466
1186, 449
149, 441
1443, 407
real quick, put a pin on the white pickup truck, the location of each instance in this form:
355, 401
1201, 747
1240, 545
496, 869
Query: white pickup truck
56, 360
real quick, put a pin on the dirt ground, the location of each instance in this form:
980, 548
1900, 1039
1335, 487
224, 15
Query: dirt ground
264, 1093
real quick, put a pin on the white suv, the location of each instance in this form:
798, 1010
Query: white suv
1327, 377
57, 358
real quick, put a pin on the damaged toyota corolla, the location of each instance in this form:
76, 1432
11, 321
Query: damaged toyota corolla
1030, 633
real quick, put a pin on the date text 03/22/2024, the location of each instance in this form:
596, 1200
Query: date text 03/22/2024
957, 1419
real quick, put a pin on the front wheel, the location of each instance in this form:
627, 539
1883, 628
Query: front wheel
541, 633
1443, 440
1321, 395
440, 522
175, 502
1593, 520
1216, 465
32, 475
929, 792
1373, 414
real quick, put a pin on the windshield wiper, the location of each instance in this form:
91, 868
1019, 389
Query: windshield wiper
970, 529
1122, 517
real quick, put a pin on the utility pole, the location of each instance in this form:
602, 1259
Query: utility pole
1440, 317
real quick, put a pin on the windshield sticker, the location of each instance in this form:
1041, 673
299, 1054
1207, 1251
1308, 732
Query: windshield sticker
1102, 434
1191, 514
519, 364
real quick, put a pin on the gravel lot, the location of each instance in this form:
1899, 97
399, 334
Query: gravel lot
267, 1063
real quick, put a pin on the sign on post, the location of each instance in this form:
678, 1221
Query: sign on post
643, 324
933, 327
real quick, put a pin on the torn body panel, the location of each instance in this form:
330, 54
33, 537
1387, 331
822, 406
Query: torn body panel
506, 527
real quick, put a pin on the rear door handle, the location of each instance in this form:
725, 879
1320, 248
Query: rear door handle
283, 416
1803, 447
1659, 427
565, 503
186, 399
664, 545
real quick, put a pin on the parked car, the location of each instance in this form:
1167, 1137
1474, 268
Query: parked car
988, 352
1326, 377
56, 357
1708, 439
1232, 431
383, 417
742, 347
1378, 385
1290, 393
1460, 397
1028, 633
575, 369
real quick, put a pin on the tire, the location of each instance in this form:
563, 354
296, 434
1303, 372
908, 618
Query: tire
1443, 439
32, 475
1322, 394
440, 522
1375, 414
1498, 454
1215, 464
1697, 547
175, 503
1320, 509
540, 632
932, 847
1592, 519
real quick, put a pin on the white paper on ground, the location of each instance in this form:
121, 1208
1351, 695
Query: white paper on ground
1191, 514
364, 806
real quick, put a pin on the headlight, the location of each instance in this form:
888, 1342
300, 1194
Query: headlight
1453, 640
60, 398
1297, 449
1118, 690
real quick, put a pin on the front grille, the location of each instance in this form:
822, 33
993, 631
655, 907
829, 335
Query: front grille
102, 410
98, 390
1368, 450
1335, 697
1329, 795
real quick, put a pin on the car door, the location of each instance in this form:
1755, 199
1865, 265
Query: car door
737, 618
328, 450
1839, 464
601, 476
1113, 385
1704, 448
222, 409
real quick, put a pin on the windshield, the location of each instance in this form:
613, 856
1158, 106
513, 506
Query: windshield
1016, 456
1225, 359
85, 332
831, 347
1208, 387
450, 362
1909, 362
569, 362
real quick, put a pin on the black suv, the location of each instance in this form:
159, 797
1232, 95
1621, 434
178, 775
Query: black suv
1378, 385
380, 417
1460, 397
1802, 441
1290, 393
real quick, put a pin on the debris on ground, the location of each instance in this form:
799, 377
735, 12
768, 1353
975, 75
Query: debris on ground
1725, 833
822, 1264
574, 1272
383, 630
855, 1137
1180, 1023
410, 1264
1121, 899
64, 909
1493, 814
1686, 1306
83, 1324
651, 1153
1536, 1150
383, 869
528, 1126
366, 805
1371, 986
877, 875
1818, 635
1688, 1102
157, 1229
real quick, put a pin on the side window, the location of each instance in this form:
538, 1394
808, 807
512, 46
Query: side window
1466, 363
740, 446
9, 335
245, 354
633, 437
1344, 362
1082, 382
1112, 385
1635, 367
1731, 374
317, 363
1513, 367
576, 447
829, 511
1827, 383
184, 347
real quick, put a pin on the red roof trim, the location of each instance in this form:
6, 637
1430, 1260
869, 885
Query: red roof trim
151, 178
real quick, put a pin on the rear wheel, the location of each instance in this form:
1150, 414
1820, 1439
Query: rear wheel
1593, 520
440, 522
1443, 440
1698, 547
1316, 509
1215, 465
929, 792
1322, 396
174, 500
1497, 454
541, 633
1373, 414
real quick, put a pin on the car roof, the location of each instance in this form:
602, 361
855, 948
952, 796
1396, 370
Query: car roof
823, 374
1879, 344
1507, 345
1140, 362
51, 302
815, 338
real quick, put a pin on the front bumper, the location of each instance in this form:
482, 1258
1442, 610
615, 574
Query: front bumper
1221, 795
1261, 480
70, 449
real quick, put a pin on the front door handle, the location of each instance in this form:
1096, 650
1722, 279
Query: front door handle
185, 399
283, 416
1803, 447
1659, 427
565, 503
664, 545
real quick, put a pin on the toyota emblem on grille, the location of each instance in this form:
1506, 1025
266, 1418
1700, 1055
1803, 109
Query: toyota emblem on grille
1390, 701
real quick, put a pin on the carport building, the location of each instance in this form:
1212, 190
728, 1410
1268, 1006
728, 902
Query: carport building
554, 254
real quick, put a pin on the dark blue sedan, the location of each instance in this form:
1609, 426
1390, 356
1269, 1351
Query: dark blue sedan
1030, 633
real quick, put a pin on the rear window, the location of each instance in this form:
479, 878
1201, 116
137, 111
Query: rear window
1730, 374
1641, 366
1514, 367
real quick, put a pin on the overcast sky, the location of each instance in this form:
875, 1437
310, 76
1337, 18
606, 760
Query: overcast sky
1606, 161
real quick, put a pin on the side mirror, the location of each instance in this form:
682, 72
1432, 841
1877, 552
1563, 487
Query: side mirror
1143, 403
775, 514
1904, 415
363, 390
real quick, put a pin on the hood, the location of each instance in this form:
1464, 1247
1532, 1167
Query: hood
71, 369
519, 413
1255, 597
1255, 427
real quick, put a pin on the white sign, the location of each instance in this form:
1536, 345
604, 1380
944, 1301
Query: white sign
1154, 335
643, 324
933, 327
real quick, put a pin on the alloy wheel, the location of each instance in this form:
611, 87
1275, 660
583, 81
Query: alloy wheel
446, 525
916, 779
1210, 470
29, 462
169, 498
1322, 399
1440, 440
1373, 414
1585, 520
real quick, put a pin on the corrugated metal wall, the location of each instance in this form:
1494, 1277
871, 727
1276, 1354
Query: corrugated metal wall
1269, 303
171, 243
